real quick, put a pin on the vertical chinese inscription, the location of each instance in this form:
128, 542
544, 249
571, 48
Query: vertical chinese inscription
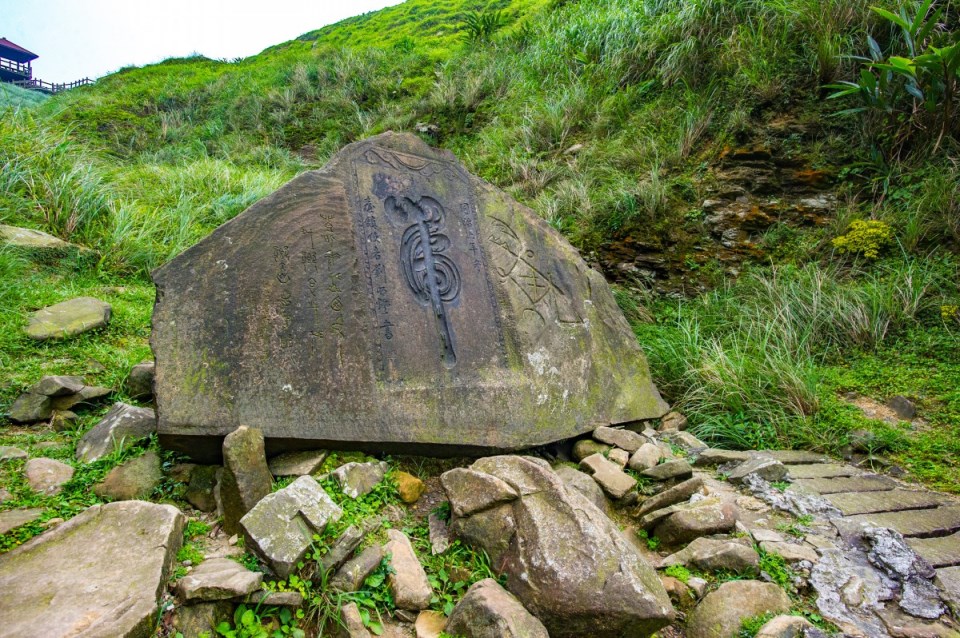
378, 272
284, 299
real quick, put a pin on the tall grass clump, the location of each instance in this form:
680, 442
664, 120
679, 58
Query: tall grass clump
744, 362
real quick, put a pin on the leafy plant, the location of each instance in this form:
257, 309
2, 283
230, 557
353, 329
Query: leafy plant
865, 237
480, 26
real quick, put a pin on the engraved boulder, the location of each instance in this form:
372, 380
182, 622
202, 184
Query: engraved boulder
391, 300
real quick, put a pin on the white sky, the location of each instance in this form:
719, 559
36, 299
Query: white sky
90, 38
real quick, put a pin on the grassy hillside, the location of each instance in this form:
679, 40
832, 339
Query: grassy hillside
616, 120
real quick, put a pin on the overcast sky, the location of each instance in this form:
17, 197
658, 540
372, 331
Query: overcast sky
90, 38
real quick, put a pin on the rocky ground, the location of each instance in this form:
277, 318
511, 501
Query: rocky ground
630, 532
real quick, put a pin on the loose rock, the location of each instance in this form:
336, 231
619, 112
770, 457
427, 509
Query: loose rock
355, 571
584, 484
9, 453
785, 627
720, 612
408, 582
489, 611
12, 519
89, 394
68, 318
646, 457
57, 386
139, 383
245, 478
218, 579
430, 624
297, 463
715, 554
623, 439
470, 491
353, 622
410, 487
768, 469
673, 421
47, 476
31, 408
588, 447
200, 490
358, 479
135, 479
791, 552
708, 516
122, 427
678, 469
440, 533
670, 496
609, 476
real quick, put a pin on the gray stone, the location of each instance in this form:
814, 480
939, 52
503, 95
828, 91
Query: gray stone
406, 346
359, 479
470, 491
939, 552
88, 395
33, 239
487, 610
10, 453
902, 407
795, 457
760, 535
785, 627
63, 420
620, 457
588, 447
721, 612
276, 598
930, 522
714, 456
342, 549
440, 536
98, 575
47, 476
245, 478
623, 439
821, 470
134, 480
139, 383
715, 554
68, 318
584, 484
700, 519
197, 619
678, 469
686, 441
791, 552
671, 496
12, 519
297, 463
850, 503
646, 457
889, 552
845, 484
563, 558
408, 582
673, 421
31, 408
948, 579
350, 577
218, 579
768, 469
122, 427
609, 476
57, 386
280, 527
352, 622
200, 490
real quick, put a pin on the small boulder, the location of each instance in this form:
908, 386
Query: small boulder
470, 491
352, 622
490, 611
134, 480
715, 554
584, 483
686, 441
10, 453
218, 579
671, 496
618, 456
297, 463
31, 408
201, 487
410, 487
430, 624
359, 479
139, 383
350, 577
12, 519
57, 386
588, 447
903, 407
609, 476
201, 618
281, 525
408, 582
673, 421
791, 552
33, 239
122, 427
691, 520
88, 395
768, 469
646, 457
678, 469
785, 627
440, 537
342, 549
616, 437
245, 478
68, 318
63, 420
47, 476
721, 612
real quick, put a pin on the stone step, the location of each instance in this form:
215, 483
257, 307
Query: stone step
845, 484
822, 470
850, 503
797, 457
948, 579
939, 552
932, 522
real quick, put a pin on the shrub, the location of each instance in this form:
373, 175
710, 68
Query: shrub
865, 237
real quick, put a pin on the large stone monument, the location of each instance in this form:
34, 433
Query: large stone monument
390, 301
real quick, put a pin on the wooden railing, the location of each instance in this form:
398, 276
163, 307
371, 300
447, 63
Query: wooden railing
20, 68
50, 87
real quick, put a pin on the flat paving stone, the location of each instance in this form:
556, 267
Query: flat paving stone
939, 552
796, 457
822, 470
850, 503
931, 522
948, 579
846, 484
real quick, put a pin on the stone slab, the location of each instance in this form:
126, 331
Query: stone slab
948, 579
929, 522
796, 457
850, 503
822, 470
99, 575
943, 551
391, 301
68, 318
845, 484
12, 519
30, 238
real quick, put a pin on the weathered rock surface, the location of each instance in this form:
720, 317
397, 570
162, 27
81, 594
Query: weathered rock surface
98, 575
430, 624
766, 468
671, 496
440, 535
673, 421
439, 313
646, 457
350, 577
791, 552
281, 525
683, 522
618, 456
785, 627
562, 557
245, 478
218, 579
68, 318
410, 487
47, 476
352, 622
588, 447
617, 437
714, 554
720, 612
30, 408
584, 483
120, 428
135, 479
12, 519
200, 490
358, 479
608, 475
408, 582
194, 620
57, 386
471, 491
139, 383
487, 610
9, 453
678, 469
297, 463
342, 549
87, 395
30, 238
